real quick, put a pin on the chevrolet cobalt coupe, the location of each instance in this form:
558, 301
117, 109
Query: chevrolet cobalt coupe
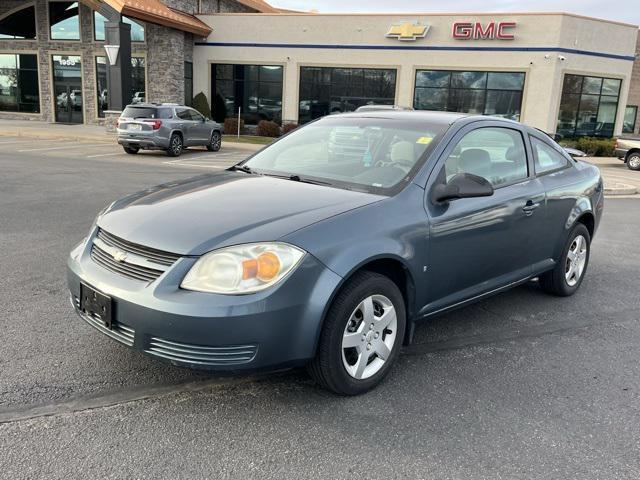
325, 248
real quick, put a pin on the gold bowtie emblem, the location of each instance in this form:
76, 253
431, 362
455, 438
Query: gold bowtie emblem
407, 31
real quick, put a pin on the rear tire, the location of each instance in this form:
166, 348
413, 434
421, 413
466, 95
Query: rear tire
131, 150
565, 279
361, 336
175, 145
633, 161
215, 142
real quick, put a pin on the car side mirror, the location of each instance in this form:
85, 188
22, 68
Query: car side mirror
462, 185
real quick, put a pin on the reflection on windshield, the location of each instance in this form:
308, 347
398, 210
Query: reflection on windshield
374, 153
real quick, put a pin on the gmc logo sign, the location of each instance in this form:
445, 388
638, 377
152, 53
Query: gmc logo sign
476, 31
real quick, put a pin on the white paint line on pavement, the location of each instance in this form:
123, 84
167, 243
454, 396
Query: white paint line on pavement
189, 164
65, 147
104, 155
8, 142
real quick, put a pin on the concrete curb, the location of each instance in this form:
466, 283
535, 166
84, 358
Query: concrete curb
620, 189
38, 134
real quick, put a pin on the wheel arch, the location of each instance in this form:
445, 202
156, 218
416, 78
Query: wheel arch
397, 270
631, 152
583, 213
179, 132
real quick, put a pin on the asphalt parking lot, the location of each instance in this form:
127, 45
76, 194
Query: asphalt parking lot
523, 385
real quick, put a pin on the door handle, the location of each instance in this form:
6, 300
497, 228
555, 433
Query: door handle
529, 207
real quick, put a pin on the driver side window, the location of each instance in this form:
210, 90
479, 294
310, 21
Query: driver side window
494, 153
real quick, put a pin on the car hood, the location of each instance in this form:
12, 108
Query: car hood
194, 216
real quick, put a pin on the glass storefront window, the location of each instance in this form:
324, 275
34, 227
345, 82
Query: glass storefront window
137, 30
20, 25
326, 90
256, 89
482, 93
138, 77
19, 88
188, 84
588, 106
630, 115
64, 21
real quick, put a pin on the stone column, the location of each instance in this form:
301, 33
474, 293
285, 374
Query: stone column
119, 75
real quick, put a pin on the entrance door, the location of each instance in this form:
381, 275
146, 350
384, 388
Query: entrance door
67, 88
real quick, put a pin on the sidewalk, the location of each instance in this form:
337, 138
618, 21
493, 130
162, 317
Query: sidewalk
618, 179
77, 133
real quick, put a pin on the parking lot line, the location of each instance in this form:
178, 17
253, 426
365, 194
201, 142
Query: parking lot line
8, 142
104, 155
65, 147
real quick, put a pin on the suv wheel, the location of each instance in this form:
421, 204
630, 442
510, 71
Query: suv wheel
216, 142
633, 161
361, 336
131, 150
566, 277
175, 145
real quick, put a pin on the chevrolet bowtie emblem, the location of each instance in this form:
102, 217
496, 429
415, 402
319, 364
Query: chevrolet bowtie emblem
119, 256
407, 31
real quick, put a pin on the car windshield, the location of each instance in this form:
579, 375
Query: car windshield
139, 112
370, 154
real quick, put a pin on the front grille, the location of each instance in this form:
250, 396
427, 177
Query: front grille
120, 332
140, 263
195, 354
151, 254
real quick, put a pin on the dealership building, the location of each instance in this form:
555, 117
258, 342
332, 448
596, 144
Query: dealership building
71, 62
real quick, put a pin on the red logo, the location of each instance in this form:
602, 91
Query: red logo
476, 31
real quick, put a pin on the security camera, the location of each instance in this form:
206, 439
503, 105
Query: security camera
562, 58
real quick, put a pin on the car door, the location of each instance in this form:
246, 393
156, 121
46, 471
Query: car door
201, 130
186, 125
480, 244
555, 170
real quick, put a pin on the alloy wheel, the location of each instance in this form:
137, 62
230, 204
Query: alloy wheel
634, 162
176, 145
216, 141
576, 260
369, 337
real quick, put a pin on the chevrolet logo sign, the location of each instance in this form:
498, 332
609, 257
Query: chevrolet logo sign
407, 32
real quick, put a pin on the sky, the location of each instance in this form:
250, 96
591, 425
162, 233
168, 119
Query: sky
627, 11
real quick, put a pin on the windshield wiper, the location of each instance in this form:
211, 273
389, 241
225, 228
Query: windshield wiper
242, 168
298, 178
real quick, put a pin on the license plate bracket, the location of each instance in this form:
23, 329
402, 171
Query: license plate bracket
97, 305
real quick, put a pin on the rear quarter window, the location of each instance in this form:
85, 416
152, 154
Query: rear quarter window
547, 158
165, 113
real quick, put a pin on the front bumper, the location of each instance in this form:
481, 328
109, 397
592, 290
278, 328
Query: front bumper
275, 328
620, 153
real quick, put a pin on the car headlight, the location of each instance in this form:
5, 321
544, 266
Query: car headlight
243, 268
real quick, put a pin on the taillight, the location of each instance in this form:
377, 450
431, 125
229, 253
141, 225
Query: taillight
615, 145
154, 123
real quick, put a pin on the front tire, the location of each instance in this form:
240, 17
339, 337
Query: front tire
565, 279
362, 335
175, 145
633, 161
215, 142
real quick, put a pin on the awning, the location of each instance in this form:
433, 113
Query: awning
154, 11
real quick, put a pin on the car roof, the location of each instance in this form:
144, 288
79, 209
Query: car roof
156, 105
418, 116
